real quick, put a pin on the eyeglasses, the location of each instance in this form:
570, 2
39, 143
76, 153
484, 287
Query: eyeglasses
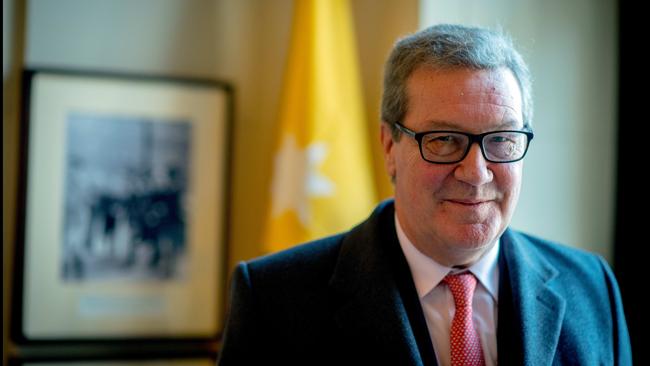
449, 147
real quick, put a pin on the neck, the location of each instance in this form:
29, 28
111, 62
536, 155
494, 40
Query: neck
454, 257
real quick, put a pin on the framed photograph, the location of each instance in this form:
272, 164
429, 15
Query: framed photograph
124, 209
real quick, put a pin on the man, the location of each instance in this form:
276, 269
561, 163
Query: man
436, 276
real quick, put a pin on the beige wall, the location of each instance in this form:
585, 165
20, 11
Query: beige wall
243, 42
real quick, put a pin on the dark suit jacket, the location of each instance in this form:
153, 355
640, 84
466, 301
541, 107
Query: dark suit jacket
350, 299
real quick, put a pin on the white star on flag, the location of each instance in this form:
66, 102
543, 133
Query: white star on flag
296, 178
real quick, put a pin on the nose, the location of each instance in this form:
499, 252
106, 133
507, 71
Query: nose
473, 169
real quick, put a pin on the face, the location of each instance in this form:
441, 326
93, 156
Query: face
455, 212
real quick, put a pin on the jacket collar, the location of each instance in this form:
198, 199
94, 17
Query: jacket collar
372, 306
538, 309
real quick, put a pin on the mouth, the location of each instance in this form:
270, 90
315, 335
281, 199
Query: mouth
468, 202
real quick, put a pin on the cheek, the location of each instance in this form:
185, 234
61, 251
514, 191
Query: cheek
405, 165
424, 179
508, 179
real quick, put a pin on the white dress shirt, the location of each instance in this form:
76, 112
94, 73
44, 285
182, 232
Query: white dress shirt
438, 303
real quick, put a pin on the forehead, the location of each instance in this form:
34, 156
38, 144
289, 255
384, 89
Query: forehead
467, 98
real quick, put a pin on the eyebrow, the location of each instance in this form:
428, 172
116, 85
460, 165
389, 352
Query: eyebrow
441, 125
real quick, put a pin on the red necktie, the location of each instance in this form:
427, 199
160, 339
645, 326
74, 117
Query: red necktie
464, 340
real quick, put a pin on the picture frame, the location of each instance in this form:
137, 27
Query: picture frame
123, 211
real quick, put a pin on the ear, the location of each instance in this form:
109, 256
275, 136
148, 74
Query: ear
388, 145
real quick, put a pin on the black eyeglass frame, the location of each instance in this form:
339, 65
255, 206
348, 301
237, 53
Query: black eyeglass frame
418, 136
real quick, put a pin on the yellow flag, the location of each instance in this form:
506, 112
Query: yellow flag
322, 178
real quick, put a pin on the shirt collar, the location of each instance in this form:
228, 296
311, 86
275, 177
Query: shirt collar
428, 273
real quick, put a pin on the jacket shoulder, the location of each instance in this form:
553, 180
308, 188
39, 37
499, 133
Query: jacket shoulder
559, 255
572, 272
318, 258
306, 265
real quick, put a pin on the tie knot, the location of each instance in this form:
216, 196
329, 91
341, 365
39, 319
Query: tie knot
462, 287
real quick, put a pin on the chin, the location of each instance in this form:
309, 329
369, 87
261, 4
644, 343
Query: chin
475, 236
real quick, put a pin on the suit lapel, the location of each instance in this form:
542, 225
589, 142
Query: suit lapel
538, 311
371, 307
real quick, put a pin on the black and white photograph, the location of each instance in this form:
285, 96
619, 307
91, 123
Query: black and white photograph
125, 187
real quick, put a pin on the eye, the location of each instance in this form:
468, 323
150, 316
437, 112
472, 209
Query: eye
443, 144
505, 146
445, 138
499, 139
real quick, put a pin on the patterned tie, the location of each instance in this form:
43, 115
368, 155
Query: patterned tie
464, 340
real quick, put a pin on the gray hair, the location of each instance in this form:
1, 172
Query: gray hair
449, 46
